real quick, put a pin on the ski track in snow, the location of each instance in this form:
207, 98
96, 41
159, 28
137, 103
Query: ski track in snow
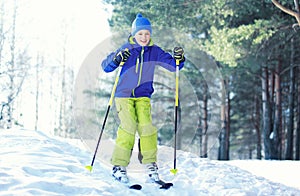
32, 163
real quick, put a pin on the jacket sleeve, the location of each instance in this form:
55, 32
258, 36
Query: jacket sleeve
167, 61
107, 64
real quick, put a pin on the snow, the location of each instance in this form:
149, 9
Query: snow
33, 163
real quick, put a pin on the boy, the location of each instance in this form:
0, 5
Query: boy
138, 58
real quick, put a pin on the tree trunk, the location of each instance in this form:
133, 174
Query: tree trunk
11, 70
224, 137
298, 121
266, 110
257, 127
228, 122
199, 136
277, 126
205, 124
62, 109
290, 125
37, 94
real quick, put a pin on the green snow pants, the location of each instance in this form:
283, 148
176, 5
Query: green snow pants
134, 115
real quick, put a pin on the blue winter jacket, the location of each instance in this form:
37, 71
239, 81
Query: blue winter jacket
136, 76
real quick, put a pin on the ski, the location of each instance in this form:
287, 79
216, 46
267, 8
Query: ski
130, 186
164, 185
135, 186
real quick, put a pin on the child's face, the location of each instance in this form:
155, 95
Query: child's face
142, 37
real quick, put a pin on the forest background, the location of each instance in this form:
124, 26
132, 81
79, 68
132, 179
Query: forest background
240, 88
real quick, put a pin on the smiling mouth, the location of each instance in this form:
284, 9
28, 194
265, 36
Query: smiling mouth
143, 42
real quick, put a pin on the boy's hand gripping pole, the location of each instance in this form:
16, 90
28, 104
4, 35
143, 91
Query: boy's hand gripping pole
174, 170
90, 167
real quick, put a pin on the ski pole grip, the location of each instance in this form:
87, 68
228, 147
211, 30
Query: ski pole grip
122, 62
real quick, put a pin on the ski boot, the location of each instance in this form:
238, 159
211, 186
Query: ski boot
152, 171
120, 174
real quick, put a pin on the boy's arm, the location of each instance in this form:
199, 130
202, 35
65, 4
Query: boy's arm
115, 59
107, 64
167, 61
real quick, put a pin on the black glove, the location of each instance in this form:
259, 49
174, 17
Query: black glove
121, 57
178, 54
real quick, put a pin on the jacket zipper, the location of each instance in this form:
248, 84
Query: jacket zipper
139, 63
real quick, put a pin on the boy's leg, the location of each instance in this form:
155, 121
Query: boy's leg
147, 132
126, 131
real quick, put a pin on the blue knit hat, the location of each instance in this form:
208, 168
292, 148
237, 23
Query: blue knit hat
140, 23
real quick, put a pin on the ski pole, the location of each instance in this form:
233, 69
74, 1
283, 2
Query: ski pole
90, 167
174, 170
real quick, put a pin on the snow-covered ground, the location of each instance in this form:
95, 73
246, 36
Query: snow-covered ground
33, 163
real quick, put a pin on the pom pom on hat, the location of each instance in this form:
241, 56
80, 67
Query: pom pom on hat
140, 23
